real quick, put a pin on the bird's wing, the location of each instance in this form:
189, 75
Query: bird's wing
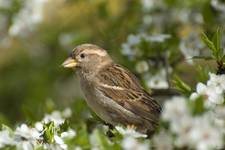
122, 86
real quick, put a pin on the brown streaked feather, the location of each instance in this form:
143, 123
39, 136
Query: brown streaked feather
129, 94
116, 75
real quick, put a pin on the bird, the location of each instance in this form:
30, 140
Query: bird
112, 91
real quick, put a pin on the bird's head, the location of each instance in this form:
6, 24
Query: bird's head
87, 57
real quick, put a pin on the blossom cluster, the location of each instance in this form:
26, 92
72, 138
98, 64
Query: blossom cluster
199, 132
50, 133
132, 50
204, 130
28, 18
212, 92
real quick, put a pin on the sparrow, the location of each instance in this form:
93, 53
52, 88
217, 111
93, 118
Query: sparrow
112, 91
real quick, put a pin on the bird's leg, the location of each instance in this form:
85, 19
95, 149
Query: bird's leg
109, 133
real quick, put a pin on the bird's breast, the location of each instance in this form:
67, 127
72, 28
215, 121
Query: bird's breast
95, 101
106, 108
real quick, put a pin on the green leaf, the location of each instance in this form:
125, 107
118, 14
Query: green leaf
203, 57
49, 130
223, 58
197, 106
217, 39
5, 127
82, 138
217, 42
64, 126
214, 45
209, 44
182, 86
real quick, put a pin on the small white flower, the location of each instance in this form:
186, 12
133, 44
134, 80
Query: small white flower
156, 38
158, 80
28, 133
68, 134
130, 132
94, 141
218, 5
182, 128
66, 39
147, 4
26, 138
5, 138
201, 88
213, 92
175, 109
191, 45
220, 112
77, 148
39, 126
28, 18
60, 142
130, 143
217, 81
133, 39
205, 136
5, 3
24, 145
142, 66
194, 96
67, 113
163, 141
147, 20
55, 116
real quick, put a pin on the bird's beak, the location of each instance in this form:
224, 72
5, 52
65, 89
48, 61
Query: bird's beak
69, 63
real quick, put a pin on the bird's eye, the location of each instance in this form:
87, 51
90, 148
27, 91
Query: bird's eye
82, 55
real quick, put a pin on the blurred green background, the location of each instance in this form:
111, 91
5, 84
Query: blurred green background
32, 82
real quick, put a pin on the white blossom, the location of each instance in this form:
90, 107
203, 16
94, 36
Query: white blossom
67, 113
55, 116
5, 4
66, 39
130, 143
130, 48
26, 138
94, 141
68, 134
142, 66
5, 138
204, 135
217, 81
191, 45
175, 109
77, 148
218, 5
212, 92
197, 132
158, 80
147, 4
60, 142
182, 128
133, 39
163, 141
130, 132
39, 126
24, 145
27, 18
147, 20
156, 38
28, 133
